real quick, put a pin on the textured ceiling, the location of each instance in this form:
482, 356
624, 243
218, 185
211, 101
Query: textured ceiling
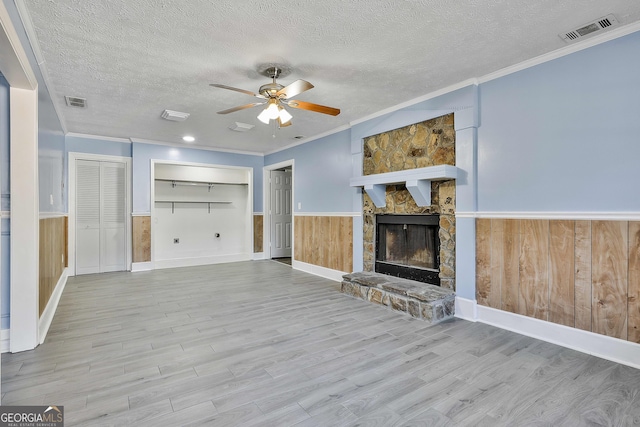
133, 59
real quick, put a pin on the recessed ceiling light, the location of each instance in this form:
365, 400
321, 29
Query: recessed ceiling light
188, 138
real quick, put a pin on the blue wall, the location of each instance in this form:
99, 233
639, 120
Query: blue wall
322, 171
144, 153
78, 144
564, 135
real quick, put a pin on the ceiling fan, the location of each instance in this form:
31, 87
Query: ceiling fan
276, 97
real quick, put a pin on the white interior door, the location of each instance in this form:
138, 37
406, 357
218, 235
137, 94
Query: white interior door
100, 216
281, 189
113, 247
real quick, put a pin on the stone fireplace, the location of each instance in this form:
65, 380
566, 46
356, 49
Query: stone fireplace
420, 145
409, 222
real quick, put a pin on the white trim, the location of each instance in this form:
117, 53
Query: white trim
50, 310
140, 214
311, 138
191, 262
258, 256
195, 147
24, 255
466, 309
141, 266
5, 340
99, 137
613, 349
351, 214
5, 215
613, 216
14, 62
47, 215
317, 270
564, 51
71, 179
414, 101
29, 29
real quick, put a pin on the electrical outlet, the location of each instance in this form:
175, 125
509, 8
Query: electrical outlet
176, 240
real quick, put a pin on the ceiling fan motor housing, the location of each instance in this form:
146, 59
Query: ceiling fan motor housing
270, 89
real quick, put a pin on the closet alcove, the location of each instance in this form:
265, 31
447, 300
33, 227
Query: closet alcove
201, 215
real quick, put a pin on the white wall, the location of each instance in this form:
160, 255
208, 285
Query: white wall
176, 215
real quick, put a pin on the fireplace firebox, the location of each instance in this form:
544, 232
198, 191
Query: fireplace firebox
408, 246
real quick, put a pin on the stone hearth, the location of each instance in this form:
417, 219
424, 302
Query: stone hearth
420, 300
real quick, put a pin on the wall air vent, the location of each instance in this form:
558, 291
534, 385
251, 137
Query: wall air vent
590, 28
74, 101
174, 116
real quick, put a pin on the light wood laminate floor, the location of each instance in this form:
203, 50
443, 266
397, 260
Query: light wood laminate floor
260, 344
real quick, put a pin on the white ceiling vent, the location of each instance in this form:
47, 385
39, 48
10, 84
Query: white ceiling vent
241, 127
174, 116
592, 27
74, 101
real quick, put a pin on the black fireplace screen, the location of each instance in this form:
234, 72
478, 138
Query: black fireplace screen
408, 246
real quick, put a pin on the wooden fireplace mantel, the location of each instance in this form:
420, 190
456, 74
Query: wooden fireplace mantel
417, 181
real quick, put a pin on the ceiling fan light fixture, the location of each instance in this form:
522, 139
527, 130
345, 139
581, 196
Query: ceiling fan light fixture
284, 115
272, 110
264, 117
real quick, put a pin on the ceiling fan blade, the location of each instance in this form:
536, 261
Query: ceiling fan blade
283, 125
247, 92
241, 107
294, 89
313, 107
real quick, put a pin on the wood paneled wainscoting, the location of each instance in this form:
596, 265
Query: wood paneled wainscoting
141, 228
326, 241
258, 230
52, 257
579, 273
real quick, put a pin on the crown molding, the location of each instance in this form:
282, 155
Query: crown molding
29, 29
102, 138
195, 147
311, 138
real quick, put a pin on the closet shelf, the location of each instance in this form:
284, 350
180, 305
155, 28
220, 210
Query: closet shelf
177, 182
192, 201
173, 203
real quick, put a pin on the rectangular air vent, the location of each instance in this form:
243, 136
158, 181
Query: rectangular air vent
584, 30
241, 127
74, 101
174, 116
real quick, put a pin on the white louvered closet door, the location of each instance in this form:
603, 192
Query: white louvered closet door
100, 217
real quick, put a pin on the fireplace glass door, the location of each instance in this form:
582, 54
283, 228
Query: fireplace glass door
408, 246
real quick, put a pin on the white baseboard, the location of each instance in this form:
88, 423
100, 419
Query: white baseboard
192, 262
614, 349
52, 306
4, 340
466, 309
259, 256
141, 266
327, 273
